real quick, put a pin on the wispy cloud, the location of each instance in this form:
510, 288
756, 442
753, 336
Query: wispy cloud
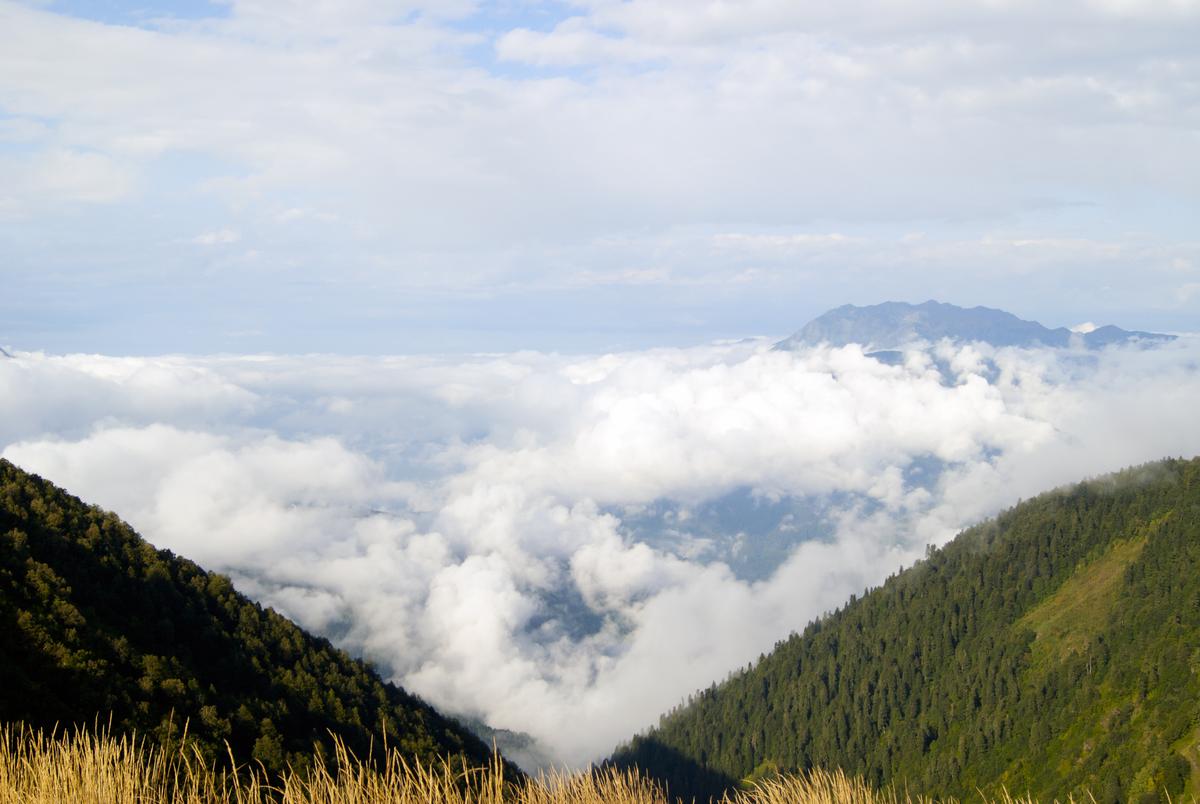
437, 164
219, 237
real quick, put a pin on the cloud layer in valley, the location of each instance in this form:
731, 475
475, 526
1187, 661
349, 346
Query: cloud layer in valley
466, 522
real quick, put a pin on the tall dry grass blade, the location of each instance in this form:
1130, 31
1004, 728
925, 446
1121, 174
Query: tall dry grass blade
93, 767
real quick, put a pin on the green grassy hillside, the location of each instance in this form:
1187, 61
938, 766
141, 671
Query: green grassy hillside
96, 623
1053, 649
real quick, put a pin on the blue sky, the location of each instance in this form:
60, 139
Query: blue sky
456, 176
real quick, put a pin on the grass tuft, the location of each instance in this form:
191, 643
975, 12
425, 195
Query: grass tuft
98, 768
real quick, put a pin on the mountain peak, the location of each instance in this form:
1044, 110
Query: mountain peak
893, 325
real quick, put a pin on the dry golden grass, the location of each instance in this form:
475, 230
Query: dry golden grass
100, 769
86, 768
825, 787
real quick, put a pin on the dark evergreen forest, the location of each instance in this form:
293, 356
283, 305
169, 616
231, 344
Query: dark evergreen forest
96, 624
1052, 649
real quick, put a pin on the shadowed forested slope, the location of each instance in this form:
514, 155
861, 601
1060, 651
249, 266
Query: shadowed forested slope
1054, 648
96, 622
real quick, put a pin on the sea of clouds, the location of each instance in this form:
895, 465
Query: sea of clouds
466, 522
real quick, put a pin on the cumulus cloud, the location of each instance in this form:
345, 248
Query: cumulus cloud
523, 537
70, 395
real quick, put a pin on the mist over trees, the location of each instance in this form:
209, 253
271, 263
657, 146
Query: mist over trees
1055, 648
1052, 649
97, 626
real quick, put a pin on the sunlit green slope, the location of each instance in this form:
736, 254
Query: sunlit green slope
1054, 648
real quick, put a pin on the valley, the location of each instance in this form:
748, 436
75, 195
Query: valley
514, 556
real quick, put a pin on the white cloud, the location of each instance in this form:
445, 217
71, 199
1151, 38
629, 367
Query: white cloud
68, 396
428, 160
62, 175
219, 237
465, 522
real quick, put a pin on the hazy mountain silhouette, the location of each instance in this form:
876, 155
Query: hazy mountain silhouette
893, 325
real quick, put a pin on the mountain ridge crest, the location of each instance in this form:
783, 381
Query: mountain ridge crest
894, 325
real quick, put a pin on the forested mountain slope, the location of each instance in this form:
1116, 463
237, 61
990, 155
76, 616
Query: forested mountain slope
96, 622
1053, 649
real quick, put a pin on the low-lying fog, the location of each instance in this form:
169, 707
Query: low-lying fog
567, 546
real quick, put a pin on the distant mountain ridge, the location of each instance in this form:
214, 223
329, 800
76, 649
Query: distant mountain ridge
894, 325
